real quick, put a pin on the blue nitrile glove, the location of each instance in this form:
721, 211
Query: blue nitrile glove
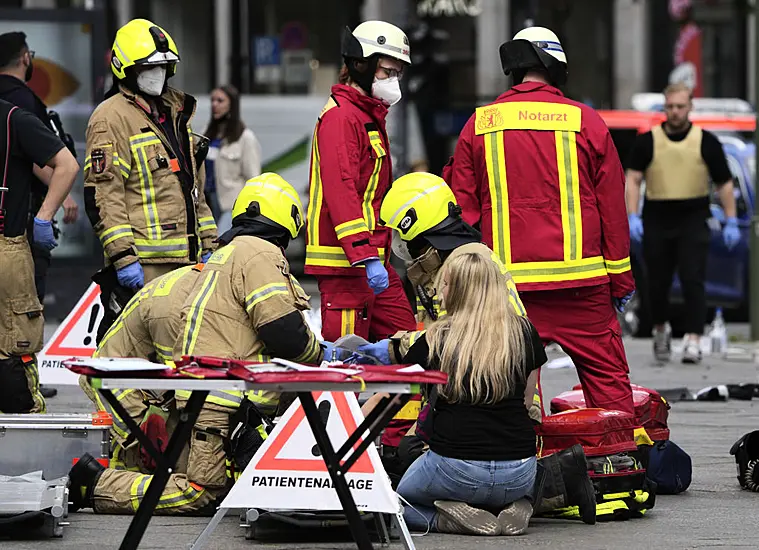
204, 257
379, 350
376, 275
620, 303
730, 233
636, 227
43, 234
329, 351
131, 276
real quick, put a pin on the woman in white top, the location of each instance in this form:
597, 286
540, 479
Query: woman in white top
234, 155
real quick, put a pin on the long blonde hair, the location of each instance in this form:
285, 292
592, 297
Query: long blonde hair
480, 342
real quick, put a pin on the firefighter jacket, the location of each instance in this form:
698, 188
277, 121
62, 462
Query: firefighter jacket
540, 175
142, 187
246, 305
350, 173
149, 324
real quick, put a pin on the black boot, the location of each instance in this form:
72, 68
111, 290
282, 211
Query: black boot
565, 482
83, 477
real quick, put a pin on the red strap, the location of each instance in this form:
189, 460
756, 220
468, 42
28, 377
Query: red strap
7, 158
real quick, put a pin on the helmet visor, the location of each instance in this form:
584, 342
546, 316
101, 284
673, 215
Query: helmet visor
400, 247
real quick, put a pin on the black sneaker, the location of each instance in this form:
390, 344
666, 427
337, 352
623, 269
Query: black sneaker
47, 392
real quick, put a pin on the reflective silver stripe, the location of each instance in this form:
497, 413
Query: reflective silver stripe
382, 46
134, 142
235, 398
256, 297
147, 192
185, 497
125, 56
405, 206
161, 247
140, 492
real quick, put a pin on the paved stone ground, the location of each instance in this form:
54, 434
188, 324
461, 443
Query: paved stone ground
713, 513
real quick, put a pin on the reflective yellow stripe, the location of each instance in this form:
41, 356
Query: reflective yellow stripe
415, 336
119, 324
140, 486
332, 256
376, 141
116, 232
538, 272
348, 325
495, 159
195, 315
315, 194
514, 299
138, 144
122, 165
410, 411
618, 266
351, 228
371, 187
312, 351
569, 189
206, 223
297, 286
165, 353
162, 248
118, 426
264, 293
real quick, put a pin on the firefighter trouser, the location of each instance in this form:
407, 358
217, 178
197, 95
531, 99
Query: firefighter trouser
120, 492
125, 450
349, 306
584, 323
153, 271
21, 329
681, 243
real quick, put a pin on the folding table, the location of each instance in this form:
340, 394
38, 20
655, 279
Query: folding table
400, 392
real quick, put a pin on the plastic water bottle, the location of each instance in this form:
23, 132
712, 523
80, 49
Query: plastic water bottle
718, 333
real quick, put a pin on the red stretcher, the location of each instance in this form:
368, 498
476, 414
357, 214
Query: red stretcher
200, 375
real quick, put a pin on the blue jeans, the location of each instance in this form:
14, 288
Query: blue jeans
486, 484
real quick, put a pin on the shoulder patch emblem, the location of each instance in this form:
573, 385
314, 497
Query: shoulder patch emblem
98, 161
489, 118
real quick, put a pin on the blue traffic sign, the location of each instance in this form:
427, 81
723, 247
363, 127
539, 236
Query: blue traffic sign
267, 50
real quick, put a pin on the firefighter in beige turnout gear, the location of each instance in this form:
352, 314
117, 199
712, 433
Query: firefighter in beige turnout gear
143, 169
147, 328
428, 231
244, 305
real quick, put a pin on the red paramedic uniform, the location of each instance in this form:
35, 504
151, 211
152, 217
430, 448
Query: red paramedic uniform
541, 176
350, 173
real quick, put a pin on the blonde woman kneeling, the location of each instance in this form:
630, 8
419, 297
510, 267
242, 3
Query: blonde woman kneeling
478, 476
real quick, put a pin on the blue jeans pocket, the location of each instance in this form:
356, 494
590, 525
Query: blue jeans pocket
449, 485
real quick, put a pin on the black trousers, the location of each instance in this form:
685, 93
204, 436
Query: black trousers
677, 242
41, 259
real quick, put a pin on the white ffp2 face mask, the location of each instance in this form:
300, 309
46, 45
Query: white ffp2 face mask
151, 81
387, 90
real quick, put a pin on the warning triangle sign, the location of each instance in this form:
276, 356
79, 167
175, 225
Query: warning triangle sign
288, 472
292, 458
75, 337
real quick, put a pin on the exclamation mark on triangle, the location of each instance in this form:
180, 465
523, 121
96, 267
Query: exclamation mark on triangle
91, 325
324, 408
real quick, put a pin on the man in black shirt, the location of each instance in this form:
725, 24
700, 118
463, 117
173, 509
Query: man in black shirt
677, 160
24, 142
16, 68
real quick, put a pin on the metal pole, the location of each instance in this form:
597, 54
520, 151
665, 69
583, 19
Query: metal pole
754, 236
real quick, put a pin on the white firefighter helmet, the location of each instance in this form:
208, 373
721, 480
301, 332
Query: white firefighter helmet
534, 48
376, 38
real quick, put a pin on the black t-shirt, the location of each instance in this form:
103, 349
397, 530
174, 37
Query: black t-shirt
17, 92
711, 152
31, 143
501, 431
